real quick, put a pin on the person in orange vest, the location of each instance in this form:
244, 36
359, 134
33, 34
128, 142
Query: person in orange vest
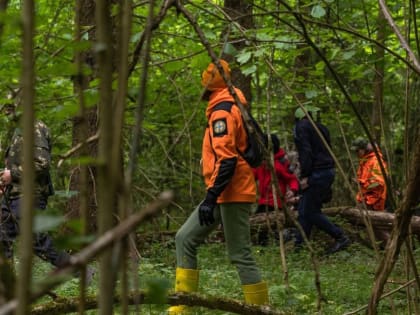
371, 181
372, 187
229, 198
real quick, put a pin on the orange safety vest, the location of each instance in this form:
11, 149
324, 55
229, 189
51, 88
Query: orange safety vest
371, 182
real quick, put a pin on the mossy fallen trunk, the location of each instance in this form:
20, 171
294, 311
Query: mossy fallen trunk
69, 305
379, 219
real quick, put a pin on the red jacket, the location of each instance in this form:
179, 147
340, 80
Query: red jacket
285, 179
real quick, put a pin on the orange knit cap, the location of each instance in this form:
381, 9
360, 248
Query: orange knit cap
211, 79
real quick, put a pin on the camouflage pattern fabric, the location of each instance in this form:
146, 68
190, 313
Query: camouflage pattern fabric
42, 161
10, 206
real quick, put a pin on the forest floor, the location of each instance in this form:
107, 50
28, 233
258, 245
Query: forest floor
346, 278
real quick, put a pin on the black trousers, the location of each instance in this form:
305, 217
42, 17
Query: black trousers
9, 230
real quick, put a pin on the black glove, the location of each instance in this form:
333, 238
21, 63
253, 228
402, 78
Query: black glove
205, 209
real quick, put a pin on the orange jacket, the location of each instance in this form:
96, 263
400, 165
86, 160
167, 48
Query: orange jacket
225, 172
372, 182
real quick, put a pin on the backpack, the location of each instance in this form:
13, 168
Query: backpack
256, 143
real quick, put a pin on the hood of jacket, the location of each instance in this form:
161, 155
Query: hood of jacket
371, 154
280, 154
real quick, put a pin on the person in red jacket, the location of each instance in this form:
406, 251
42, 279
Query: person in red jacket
287, 181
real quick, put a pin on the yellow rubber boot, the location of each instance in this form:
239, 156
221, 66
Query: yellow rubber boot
186, 281
256, 293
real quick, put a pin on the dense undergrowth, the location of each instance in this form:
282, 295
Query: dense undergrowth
346, 278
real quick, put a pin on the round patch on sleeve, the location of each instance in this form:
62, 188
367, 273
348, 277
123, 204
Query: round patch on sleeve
219, 127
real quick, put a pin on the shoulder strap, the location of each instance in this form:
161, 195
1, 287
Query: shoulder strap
227, 106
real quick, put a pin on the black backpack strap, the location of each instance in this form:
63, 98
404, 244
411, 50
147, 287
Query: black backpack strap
227, 106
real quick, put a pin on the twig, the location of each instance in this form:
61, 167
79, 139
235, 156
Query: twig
382, 297
77, 147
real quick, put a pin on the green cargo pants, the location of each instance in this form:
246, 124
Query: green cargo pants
235, 220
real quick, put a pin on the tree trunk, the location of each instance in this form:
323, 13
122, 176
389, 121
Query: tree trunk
378, 82
107, 205
28, 177
241, 12
85, 125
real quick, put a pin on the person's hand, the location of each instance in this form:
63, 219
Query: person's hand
205, 213
205, 210
304, 183
291, 197
5, 177
289, 194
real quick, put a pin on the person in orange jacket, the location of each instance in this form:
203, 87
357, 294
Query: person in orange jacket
371, 181
287, 180
372, 187
230, 194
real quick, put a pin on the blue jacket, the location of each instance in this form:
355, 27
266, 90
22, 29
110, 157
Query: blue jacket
312, 152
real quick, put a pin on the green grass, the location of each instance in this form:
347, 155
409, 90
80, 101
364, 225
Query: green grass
346, 278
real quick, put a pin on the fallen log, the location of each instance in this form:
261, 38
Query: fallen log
71, 304
379, 219
259, 222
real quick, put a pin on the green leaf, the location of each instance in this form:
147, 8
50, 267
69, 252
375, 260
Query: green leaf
348, 54
157, 289
320, 66
229, 49
66, 193
259, 52
334, 53
311, 94
136, 37
43, 223
244, 57
209, 34
318, 11
249, 70
263, 36
174, 66
91, 97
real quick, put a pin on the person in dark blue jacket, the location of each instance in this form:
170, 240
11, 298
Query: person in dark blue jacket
317, 172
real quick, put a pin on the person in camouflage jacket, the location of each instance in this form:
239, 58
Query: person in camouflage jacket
11, 188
